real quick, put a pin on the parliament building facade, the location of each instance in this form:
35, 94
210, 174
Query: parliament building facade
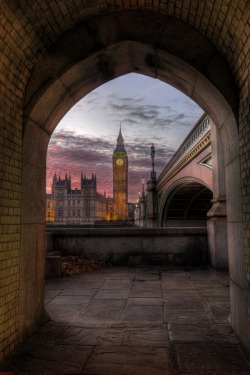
85, 205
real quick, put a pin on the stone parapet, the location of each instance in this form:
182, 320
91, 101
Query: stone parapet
122, 246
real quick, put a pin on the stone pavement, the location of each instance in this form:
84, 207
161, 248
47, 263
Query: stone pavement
135, 321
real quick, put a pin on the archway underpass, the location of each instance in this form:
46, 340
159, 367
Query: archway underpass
46, 70
188, 205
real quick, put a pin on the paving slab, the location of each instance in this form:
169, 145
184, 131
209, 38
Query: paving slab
70, 300
92, 336
125, 273
143, 314
112, 294
91, 277
147, 274
177, 275
182, 295
218, 292
59, 282
117, 284
40, 355
150, 289
201, 358
151, 337
208, 283
178, 284
80, 290
221, 332
184, 305
148, 301
129, 360
179, 332
187, 317
65, 314
103, 310
201, 332
220, 311
134, 321
51, 293
43, 358
204, 274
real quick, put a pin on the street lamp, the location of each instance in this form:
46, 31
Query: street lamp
152, 154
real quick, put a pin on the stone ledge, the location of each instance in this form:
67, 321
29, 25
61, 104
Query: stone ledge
169, 246
131, 232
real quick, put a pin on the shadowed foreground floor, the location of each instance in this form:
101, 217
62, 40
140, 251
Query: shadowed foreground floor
135, 321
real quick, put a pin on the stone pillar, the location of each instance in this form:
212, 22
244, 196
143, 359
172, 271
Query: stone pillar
217, 234
217, 223
152, 206
137, 214
142, 211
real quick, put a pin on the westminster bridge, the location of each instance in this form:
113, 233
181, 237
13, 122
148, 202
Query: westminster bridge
190, 191
179, 220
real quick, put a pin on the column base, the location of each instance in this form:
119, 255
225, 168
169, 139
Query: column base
217, 235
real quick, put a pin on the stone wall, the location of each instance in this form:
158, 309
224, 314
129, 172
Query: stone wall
162, 246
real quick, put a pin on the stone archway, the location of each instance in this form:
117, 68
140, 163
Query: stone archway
44, 113
53, 54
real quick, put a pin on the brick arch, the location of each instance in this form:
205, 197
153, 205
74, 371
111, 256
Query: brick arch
36, 92
103, 57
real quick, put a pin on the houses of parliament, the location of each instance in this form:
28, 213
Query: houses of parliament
85, 205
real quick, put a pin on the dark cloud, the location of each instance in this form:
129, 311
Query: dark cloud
136, 112
74, 154
129, 121
131, 111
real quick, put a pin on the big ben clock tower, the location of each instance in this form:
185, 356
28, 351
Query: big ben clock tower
120, 180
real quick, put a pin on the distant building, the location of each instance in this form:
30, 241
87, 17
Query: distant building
49, 208
86, 205
79, 206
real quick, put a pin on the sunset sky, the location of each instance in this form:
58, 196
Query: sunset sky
149, 111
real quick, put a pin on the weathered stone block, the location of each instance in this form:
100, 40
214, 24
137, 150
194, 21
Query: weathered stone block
53, 266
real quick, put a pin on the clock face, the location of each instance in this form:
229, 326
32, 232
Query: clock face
119, 162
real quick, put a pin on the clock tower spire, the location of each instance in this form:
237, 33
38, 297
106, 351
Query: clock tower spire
120, 179
120, 141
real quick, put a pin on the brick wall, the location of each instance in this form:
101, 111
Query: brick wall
10, 192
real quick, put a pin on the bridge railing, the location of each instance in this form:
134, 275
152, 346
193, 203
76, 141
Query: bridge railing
202, 127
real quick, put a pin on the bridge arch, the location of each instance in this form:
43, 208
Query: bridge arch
185, 203
51, 61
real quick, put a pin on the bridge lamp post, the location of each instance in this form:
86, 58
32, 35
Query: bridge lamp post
151, 201
152, 154
139, 205
143, 204
142, 183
